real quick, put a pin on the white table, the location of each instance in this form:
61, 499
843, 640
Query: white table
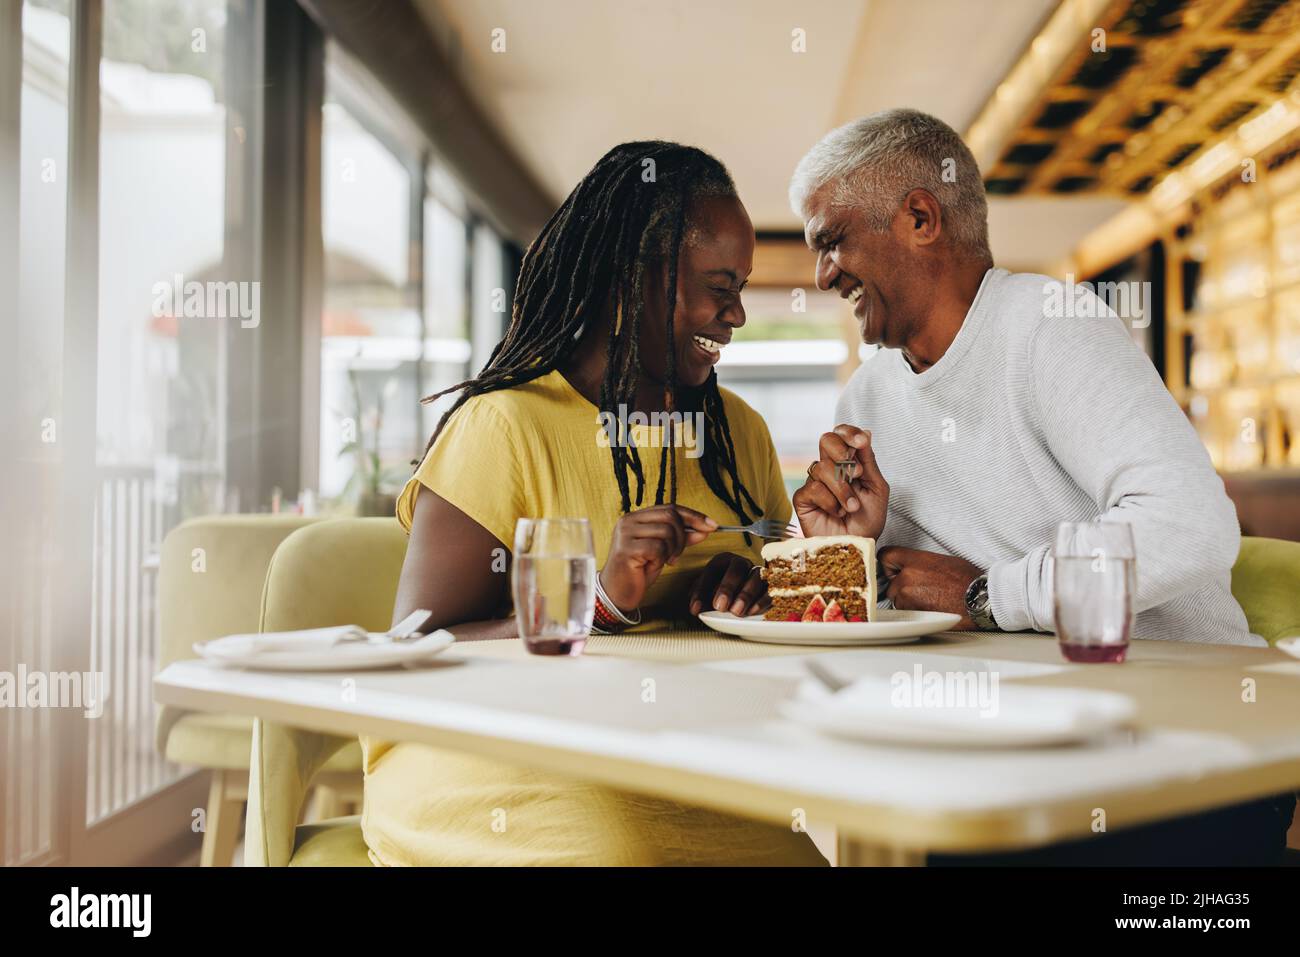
712, 734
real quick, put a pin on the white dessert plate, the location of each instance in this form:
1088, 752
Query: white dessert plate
891, 627
344, 656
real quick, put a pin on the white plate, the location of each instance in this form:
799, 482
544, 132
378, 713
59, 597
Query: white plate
1027, 717
345, 656
1290, 645
891, 627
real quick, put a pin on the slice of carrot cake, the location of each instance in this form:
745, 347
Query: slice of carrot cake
828, 578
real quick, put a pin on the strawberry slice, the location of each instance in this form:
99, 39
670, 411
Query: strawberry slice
833, 612
816, 608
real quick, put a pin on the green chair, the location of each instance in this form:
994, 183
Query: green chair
211, 576
337, 572
1266, 583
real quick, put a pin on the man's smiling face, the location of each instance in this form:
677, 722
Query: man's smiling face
865, 266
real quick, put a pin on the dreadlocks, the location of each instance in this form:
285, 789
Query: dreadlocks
593, 256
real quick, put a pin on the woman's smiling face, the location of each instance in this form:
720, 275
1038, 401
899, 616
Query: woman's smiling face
717, 256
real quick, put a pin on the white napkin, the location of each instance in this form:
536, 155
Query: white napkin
311, 639
877, 701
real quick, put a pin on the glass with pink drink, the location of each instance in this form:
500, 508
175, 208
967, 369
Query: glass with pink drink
554, 584
1094, 580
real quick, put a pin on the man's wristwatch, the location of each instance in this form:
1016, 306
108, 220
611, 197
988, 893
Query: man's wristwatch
978, 605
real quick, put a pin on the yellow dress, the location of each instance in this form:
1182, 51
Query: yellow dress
537, 450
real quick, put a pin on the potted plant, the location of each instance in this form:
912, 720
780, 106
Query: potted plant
372, 485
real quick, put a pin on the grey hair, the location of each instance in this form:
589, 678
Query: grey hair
876, 161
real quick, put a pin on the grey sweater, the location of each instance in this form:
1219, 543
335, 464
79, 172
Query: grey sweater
1031, 419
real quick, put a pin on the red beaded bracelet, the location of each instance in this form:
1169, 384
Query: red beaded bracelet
605, 620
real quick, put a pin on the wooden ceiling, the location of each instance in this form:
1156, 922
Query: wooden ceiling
1175, 78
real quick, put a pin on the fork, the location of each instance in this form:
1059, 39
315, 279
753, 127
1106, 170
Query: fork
763, 528
408, 629
823, 674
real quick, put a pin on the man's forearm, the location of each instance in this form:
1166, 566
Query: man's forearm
1181, 544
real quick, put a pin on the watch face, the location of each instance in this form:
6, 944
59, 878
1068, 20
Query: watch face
977, 602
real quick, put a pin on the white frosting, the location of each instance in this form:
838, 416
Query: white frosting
810, 546
814, 590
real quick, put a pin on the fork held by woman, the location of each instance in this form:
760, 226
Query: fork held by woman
762, 528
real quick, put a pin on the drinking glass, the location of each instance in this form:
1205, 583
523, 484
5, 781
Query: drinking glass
1094, 571
554, 584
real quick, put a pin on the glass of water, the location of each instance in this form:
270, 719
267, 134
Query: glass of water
554, 582
1094, 571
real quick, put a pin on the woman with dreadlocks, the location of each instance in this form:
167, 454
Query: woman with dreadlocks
622, 305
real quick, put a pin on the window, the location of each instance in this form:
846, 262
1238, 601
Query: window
783, 363
446, 267
153, 394
415, 292
373, 323
146, 374
168, 299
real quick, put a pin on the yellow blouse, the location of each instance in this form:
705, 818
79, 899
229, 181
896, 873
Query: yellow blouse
539, 450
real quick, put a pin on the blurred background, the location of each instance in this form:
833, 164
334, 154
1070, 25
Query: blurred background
374, 171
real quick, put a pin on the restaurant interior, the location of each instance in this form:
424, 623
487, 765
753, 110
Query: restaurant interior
359, 183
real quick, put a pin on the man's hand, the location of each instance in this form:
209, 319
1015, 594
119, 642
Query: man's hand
925, 581
729, 583
843, 499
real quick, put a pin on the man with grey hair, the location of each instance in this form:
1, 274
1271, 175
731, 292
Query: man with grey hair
993, 418
988, 417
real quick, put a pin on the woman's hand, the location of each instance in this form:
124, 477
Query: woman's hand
730, 583
644, 542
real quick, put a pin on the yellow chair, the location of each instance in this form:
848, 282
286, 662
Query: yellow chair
1266, 583
285, 761
211, 579
338, 572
